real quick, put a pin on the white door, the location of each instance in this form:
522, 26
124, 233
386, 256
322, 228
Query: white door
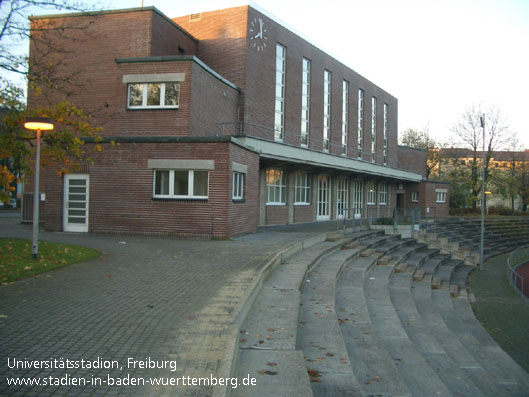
324, 198
75, 212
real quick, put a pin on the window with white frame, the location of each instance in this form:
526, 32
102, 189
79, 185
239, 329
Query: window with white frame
326, 109
301, 188
153, 95
345, 115
305, 102
386, 111
238, 186
275, 187
415, 197
279, 122
373, 128
181, 184
371, 193
360, 122
440, 196
358, 195
383, 194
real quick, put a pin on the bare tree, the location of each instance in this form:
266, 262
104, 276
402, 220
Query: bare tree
468, 134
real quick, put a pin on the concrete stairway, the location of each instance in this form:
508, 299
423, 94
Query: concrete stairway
371, 315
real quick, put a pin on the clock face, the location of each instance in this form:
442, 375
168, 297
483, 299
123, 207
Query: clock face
257, 34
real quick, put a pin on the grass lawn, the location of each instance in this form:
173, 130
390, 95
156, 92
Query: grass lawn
16, 261
503, 313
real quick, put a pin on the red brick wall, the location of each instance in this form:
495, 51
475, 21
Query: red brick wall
276, 214
244, 216
222, 41
303, 213
167, 38
212, 102
121, 193
413, 160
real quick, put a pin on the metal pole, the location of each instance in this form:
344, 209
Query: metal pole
481, 248
36, 201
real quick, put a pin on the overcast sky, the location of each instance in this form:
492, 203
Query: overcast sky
437, 57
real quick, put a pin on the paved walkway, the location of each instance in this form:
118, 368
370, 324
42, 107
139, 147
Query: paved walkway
145, 298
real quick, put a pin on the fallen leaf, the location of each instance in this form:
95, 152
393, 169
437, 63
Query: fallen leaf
243, 340
318, 314
330, 354
3, 316
271, 364
271, 329
27, 267
267, 372
261, 342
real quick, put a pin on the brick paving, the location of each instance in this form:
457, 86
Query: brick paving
145, 297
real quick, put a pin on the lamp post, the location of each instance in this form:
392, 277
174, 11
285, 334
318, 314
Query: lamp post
482, 119
39, 124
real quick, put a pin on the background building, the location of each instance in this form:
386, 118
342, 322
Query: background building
217, 122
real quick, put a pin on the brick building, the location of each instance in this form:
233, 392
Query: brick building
218, 122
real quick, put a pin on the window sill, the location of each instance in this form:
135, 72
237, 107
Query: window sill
180, 199
302, 204
155, 108
275, 204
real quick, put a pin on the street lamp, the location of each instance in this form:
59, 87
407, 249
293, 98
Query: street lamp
482, 119
39, 124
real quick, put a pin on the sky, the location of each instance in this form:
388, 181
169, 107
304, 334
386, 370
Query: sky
437, 57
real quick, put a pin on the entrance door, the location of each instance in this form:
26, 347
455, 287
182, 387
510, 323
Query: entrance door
324, 198
400, 200
75, 212
342, 197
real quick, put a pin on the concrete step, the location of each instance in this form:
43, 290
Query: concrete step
423, 337
371, 363
415, 260
430, 264
319, 335
462, 358
421, 379
508, 377
445, 271
459, 277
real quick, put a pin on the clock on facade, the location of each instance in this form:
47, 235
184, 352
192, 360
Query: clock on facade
257, 34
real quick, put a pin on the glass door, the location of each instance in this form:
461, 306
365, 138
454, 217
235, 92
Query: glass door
75, 212
324, 198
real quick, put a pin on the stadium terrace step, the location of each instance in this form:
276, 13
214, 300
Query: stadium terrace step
510, 379
319, 334
422, 336
430, 264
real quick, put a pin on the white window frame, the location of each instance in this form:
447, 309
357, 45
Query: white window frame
342, 197
327, 79
383, 193
278, 182
190, 185
440, 197
301, 188
345, 115
415, 196
144, 96
305, 98
281, 59
371, 193
238, 186
358, 196
373, 128
386, 115
360, 122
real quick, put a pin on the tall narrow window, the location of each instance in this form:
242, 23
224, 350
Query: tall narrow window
383, 193
326, 109
342, 198
358, 195
386, 111
371, 193
373, 128
279, 123
301, 188
305, 102
275, 187
345, 115
360, 122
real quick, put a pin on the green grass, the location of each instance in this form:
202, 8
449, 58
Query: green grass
503, 313
16, 261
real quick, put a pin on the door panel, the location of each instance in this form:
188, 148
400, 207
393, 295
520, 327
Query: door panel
76, 199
